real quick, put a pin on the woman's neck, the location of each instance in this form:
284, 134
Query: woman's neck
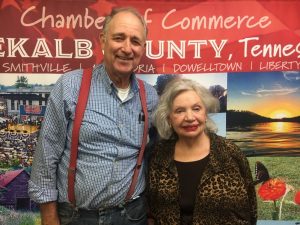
187, 150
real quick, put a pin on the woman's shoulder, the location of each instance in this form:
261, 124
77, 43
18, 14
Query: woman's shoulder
163, 150
226, 146
227, 152
223, 143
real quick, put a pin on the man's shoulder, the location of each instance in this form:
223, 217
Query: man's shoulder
77, 73
73, 74
150, 90
73, 78
149, 87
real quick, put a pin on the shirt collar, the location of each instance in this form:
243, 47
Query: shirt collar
134, 87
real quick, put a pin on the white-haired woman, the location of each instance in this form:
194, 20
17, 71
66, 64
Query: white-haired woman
196, 176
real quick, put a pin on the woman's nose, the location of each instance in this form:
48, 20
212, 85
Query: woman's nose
189, 116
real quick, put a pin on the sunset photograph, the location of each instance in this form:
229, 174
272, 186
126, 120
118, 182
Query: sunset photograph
263, 112
263, 119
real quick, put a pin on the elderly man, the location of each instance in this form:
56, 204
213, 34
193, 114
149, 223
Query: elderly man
110, 135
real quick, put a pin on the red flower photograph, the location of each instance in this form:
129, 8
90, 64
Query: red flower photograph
297, 198
272, 189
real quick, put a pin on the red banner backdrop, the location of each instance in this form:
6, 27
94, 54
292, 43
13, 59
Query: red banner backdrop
184, 36
249, 48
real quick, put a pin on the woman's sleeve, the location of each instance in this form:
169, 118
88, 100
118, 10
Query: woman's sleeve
152, 182
249, 183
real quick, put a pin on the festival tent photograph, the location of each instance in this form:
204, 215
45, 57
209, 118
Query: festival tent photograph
246, 53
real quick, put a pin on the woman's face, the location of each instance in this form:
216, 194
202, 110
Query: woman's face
188, 115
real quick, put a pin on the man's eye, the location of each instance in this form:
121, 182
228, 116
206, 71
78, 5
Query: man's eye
118, 38
136, 42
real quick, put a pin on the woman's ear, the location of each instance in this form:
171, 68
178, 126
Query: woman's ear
169, 122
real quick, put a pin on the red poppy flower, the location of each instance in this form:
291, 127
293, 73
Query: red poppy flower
297, 198
272, 189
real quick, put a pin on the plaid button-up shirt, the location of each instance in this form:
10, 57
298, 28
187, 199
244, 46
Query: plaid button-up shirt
109, 141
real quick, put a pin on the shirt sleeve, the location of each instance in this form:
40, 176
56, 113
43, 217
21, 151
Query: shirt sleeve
52, 140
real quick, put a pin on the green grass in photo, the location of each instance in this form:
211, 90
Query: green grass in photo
286, 168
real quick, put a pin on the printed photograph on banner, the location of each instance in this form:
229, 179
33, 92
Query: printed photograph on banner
23, 100
263, 119
216, 83
277, 186
230, 47
263, 112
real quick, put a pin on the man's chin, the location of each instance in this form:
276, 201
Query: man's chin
125, 70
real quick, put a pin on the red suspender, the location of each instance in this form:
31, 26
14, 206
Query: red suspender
144, 141
79, 112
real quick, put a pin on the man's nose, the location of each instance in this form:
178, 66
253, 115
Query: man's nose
127, 46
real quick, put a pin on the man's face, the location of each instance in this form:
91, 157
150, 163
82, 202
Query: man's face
123, 44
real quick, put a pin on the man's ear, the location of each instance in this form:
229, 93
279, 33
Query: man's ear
144, 49
102, 41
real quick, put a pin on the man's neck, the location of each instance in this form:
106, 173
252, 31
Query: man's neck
120, 80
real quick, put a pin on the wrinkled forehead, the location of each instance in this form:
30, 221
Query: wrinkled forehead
184, 97
127, 23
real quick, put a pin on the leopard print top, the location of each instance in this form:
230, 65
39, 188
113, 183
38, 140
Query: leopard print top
225, 194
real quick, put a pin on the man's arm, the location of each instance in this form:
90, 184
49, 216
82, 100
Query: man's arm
42, 186
49, 213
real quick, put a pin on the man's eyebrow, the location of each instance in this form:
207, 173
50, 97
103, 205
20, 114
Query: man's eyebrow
123, 34
118, 34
